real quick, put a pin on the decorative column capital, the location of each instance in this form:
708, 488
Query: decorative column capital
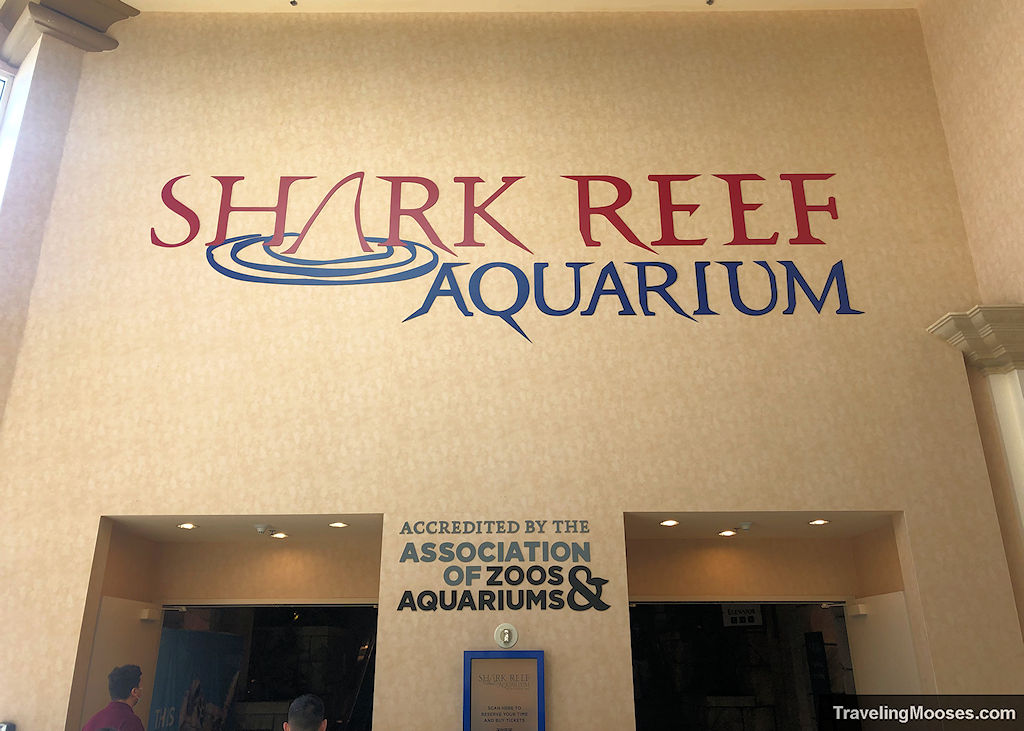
82, 23
990, 336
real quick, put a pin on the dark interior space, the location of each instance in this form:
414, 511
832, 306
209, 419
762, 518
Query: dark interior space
267, 657
736, 667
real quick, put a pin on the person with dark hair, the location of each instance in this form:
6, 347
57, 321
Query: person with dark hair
123, 684
306, 713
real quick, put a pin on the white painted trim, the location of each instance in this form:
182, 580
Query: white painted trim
1008, 399
8, 87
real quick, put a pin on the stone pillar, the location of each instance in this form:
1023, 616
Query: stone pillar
991, 338
46, 44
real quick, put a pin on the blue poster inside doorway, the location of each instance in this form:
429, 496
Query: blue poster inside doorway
195, 680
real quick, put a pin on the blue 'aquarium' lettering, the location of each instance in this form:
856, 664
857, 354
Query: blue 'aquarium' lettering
609, 286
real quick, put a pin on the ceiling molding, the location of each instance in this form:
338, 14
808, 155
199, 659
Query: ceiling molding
19, 41
10, 11
81, 23
58, 25
990, 336
96, 14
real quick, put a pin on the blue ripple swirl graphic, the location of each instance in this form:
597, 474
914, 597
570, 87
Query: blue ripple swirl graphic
392, 264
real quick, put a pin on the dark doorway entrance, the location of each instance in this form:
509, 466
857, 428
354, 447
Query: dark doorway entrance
238, 668
736, 667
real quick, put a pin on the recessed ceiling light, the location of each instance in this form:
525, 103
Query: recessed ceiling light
279, 534
187, 526
818, 521
670, 522
727, 533
338, 524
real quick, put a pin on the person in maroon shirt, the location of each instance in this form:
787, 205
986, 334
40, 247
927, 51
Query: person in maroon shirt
123, 683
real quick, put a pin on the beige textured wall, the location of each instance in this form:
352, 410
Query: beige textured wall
977, 61
149, 384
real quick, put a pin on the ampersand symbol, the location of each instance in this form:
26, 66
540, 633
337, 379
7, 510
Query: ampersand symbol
583, 589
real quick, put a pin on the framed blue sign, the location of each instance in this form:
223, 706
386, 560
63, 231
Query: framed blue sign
503, 690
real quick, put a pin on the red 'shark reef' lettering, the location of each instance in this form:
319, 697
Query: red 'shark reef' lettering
586, 209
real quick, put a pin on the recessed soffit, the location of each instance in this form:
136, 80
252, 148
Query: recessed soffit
763, 524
